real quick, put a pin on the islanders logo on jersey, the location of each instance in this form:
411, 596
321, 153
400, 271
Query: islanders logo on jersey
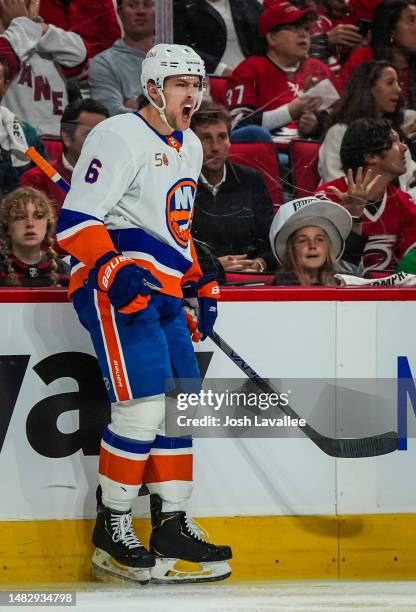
179, 206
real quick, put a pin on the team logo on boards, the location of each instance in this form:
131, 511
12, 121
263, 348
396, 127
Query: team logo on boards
179, 205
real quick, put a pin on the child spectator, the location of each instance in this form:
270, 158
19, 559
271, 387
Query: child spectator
229, 33
114, 75
78, 120
308, 238
27, 238
393, 39
266, 90
373, 92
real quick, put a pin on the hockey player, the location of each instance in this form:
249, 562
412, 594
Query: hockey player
126, 223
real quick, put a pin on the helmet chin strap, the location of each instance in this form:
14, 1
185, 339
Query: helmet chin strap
161, 109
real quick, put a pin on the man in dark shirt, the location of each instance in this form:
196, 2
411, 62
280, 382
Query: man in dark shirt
233, 210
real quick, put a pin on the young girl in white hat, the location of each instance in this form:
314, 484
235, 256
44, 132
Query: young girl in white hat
308, 238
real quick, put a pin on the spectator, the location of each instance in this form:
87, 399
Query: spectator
372, 92
233, 210
384, 217
333, 35
393, 39
308, 238
114, 75
21, 29
27, 238
229, 33
94, 20
15, 138
38, 94
78, 120
265, 90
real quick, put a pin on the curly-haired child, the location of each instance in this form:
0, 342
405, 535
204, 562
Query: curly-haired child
27, 237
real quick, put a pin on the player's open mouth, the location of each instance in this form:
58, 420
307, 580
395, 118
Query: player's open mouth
186, 111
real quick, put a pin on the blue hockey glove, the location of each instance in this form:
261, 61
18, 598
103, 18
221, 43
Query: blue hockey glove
202, 297
128, 285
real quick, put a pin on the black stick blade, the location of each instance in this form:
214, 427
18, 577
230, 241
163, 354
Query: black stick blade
355, 448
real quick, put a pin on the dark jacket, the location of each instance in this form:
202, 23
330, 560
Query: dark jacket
237, 220
196, 23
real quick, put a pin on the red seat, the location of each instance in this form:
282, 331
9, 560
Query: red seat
304, 157
262, 157
217, 88
54, 148
242, 278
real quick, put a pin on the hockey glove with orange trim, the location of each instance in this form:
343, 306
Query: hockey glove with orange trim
127, 285
202, 296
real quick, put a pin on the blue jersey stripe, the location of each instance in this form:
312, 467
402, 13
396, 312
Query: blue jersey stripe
126, 444
172, 443
136, 239
72, 218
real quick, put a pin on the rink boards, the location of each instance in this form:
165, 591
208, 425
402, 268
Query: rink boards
288, 510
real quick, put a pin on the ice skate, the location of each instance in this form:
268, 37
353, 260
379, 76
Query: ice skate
181, 551
118, 550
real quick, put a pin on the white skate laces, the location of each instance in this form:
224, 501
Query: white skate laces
196, 530
123, 530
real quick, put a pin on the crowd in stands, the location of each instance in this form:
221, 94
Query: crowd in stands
336, 75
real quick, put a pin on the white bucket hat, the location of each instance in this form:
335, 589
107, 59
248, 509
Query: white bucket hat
331, 217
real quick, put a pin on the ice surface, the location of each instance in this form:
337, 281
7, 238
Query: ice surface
242, 597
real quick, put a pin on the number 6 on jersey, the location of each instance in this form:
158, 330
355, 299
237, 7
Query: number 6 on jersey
93, 171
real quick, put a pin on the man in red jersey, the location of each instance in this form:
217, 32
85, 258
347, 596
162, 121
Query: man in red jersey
384, 216
266, 89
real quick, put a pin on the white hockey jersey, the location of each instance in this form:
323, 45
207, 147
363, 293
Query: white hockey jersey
133, 191
38, 93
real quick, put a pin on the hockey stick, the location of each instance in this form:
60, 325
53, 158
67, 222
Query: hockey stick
47, 168
371, 446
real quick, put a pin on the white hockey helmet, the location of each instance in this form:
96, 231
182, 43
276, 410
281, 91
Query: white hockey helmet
166, 60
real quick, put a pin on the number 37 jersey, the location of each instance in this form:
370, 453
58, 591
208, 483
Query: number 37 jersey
133, 191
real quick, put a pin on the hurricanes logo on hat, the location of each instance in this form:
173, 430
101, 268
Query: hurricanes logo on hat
301, 203
179, 205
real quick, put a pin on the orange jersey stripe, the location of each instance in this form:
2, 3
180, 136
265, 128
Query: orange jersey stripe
194, 273
170, 284
161, 468
89, 244
120, 469
78, 279
115, 359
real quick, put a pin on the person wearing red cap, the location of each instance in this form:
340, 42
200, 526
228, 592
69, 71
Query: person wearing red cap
266, 89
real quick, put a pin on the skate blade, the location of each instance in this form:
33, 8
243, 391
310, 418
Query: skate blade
175, 571
107, 569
